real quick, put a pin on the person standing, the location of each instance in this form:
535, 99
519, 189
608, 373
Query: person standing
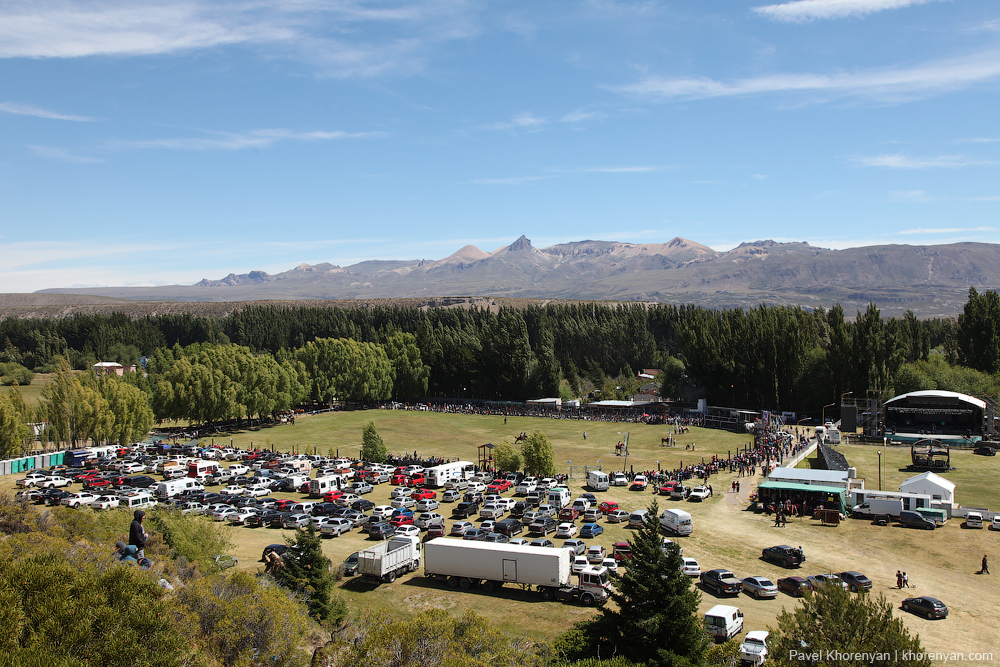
986, 567
137, 535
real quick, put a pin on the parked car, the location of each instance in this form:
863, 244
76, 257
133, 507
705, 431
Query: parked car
821, 580
690, 567
410, 531
618, 479
698, 494
621, 552
460, 528
451, 495
784, 555
590, 530
926, 606
566, 530
639, 483
336, 526
794, 586
401, 492
496, 538
611, 564
543, 526
721, 582
909, 519
759, 587
404, 503
424, 519
424, 494
579, 547
542, 542
617, 516
985, 451
435, 530
509, 527
591, 515
362, 505
350, 565
753, 650
296, 521
856, 581
77, 500
596, 554
476, 534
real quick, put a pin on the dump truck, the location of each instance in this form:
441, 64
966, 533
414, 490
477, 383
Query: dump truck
470, 564
387, 560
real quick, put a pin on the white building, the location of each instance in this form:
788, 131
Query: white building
808, 476
928, 483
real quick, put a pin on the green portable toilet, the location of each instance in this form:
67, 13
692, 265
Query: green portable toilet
58, 458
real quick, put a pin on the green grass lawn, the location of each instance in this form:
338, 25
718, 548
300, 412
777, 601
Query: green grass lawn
455, 435
32, 393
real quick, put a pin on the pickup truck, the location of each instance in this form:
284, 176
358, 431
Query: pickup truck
543, 526
698, 494
721, 582
569, 514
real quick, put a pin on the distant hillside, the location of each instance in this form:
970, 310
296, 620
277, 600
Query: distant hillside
930, 280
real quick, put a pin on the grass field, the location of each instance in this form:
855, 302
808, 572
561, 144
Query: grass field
941, 563
32, 393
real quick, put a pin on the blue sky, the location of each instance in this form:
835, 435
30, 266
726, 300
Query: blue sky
165, 142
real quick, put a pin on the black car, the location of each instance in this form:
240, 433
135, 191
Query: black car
362, 505
277, 518
916, 520
279, 549
794, 586
721, 582
519, 508
985, 451
543, 525
856, 581
53, 496
784, 554
881, 520
465, 510
925, 606
509, 527
141, 481
350, 566
381, 531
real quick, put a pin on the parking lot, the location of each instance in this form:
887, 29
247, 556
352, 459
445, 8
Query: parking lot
939, 563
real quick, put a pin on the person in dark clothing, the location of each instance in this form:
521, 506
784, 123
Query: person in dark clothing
137, 535
125, 553
986, 566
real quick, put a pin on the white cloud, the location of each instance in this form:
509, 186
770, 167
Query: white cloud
810, 10
235, 141
580, 116
28, 110
334, 35
62, 155
885, 83
522, 121
906, 162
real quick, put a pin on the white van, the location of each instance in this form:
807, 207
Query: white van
598, 480
677, 522
176, 487
320, 485
723, 622
136, 501
974, 520
873, 506
559, 496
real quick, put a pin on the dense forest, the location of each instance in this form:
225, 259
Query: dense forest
768, 357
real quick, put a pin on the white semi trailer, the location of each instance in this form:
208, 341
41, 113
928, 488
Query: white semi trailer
467, 564
387, 560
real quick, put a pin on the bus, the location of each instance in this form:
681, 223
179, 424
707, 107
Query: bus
438, 475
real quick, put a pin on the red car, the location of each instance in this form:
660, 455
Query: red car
622, 552
606, 507
402, 520
415, 480
97, 483
498, 486
331, 496
284, 504
423, 494
399, 479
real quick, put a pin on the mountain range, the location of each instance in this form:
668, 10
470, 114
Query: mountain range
930, 280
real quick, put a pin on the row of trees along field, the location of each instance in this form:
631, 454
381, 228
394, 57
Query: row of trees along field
770, 357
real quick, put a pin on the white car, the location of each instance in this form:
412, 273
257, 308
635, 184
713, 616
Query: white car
222, 514
256, 491
239, 517
402, 503
451, 495
427, 518
690, 567
42, 481
476, 486
105, 503
611, 564
382, 511
754, 648
618, 479
215, 507
133, 468
239, 469
427, 505
596, 554
567, 530
579, 563
698, 494
78, 499
401, 492
527, 485
411, 531
995, 524
233, 490
507, 503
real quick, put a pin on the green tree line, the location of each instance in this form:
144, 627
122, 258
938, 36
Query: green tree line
766, 357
